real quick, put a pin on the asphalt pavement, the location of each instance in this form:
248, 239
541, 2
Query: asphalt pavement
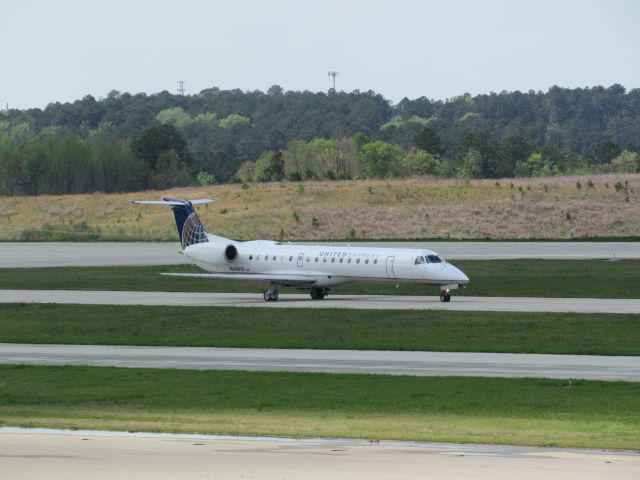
297, 300
589, 367
51, 254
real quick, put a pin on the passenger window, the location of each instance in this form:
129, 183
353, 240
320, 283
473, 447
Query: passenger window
341, 260
366, 261
291, 259
316, 259
258, 257
324, 260
349, 261
333, 260
274, 258
250, 257
308, 259
375, 262
358, 260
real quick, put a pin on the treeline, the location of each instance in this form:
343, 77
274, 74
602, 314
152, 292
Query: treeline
127, 142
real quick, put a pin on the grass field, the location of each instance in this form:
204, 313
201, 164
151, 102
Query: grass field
524, 278
448, 409
562, 333
551, 208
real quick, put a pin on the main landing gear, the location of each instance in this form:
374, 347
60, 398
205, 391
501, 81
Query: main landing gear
271, 295
319, 293
445, 297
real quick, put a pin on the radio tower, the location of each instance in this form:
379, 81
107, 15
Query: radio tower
334, 75
181, 87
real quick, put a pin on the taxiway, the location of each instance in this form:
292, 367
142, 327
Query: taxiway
72, 254
293, 300
588, 367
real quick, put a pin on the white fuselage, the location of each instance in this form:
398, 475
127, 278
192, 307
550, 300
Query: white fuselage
329, 265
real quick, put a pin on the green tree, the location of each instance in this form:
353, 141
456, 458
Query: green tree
275, 168
471, 166
428, 140
493, 164
170, 171
155, 141
626, 162
379, 159
175, 116
422, 163
234, 120
119, 170
536, 165
360, 139
514, 149
604, 152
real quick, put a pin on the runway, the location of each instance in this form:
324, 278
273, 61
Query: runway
588, 367
71, 254
28, 454
375, 302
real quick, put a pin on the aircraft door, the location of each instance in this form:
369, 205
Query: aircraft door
391, 274
300, 259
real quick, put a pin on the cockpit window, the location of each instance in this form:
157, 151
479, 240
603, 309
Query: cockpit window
433, 259
419, 260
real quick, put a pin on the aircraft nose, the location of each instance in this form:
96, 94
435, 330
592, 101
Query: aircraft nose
459, 275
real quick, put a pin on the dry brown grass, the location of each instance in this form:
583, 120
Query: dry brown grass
414, 427
412, 208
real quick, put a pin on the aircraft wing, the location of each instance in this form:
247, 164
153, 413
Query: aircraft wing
292, 280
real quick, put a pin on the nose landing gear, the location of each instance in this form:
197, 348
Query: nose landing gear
444, 291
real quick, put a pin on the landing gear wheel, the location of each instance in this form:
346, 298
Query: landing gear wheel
445, 297
318, 293
270, 296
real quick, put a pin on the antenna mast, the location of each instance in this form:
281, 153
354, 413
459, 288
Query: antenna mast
334, 75
181, 87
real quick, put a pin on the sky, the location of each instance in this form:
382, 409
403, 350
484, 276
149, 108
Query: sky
63, 50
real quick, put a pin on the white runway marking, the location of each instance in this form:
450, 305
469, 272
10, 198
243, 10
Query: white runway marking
375, 302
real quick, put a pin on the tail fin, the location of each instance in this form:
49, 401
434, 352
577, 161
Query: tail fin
190, 228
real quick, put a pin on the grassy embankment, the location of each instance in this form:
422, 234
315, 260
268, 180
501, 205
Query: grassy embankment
544, 208
470, 410
560, 333
519, 278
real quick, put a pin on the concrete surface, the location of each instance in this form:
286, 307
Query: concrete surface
117, 456
591, 367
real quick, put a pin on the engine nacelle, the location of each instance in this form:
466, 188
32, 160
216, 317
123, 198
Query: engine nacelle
230, 253
211, 253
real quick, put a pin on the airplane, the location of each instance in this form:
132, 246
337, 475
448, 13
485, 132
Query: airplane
316, 268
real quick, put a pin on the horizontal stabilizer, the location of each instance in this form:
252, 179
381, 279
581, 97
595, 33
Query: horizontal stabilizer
190, 229
173, 202
298, 280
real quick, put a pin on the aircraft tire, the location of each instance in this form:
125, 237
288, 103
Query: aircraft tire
318, 293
